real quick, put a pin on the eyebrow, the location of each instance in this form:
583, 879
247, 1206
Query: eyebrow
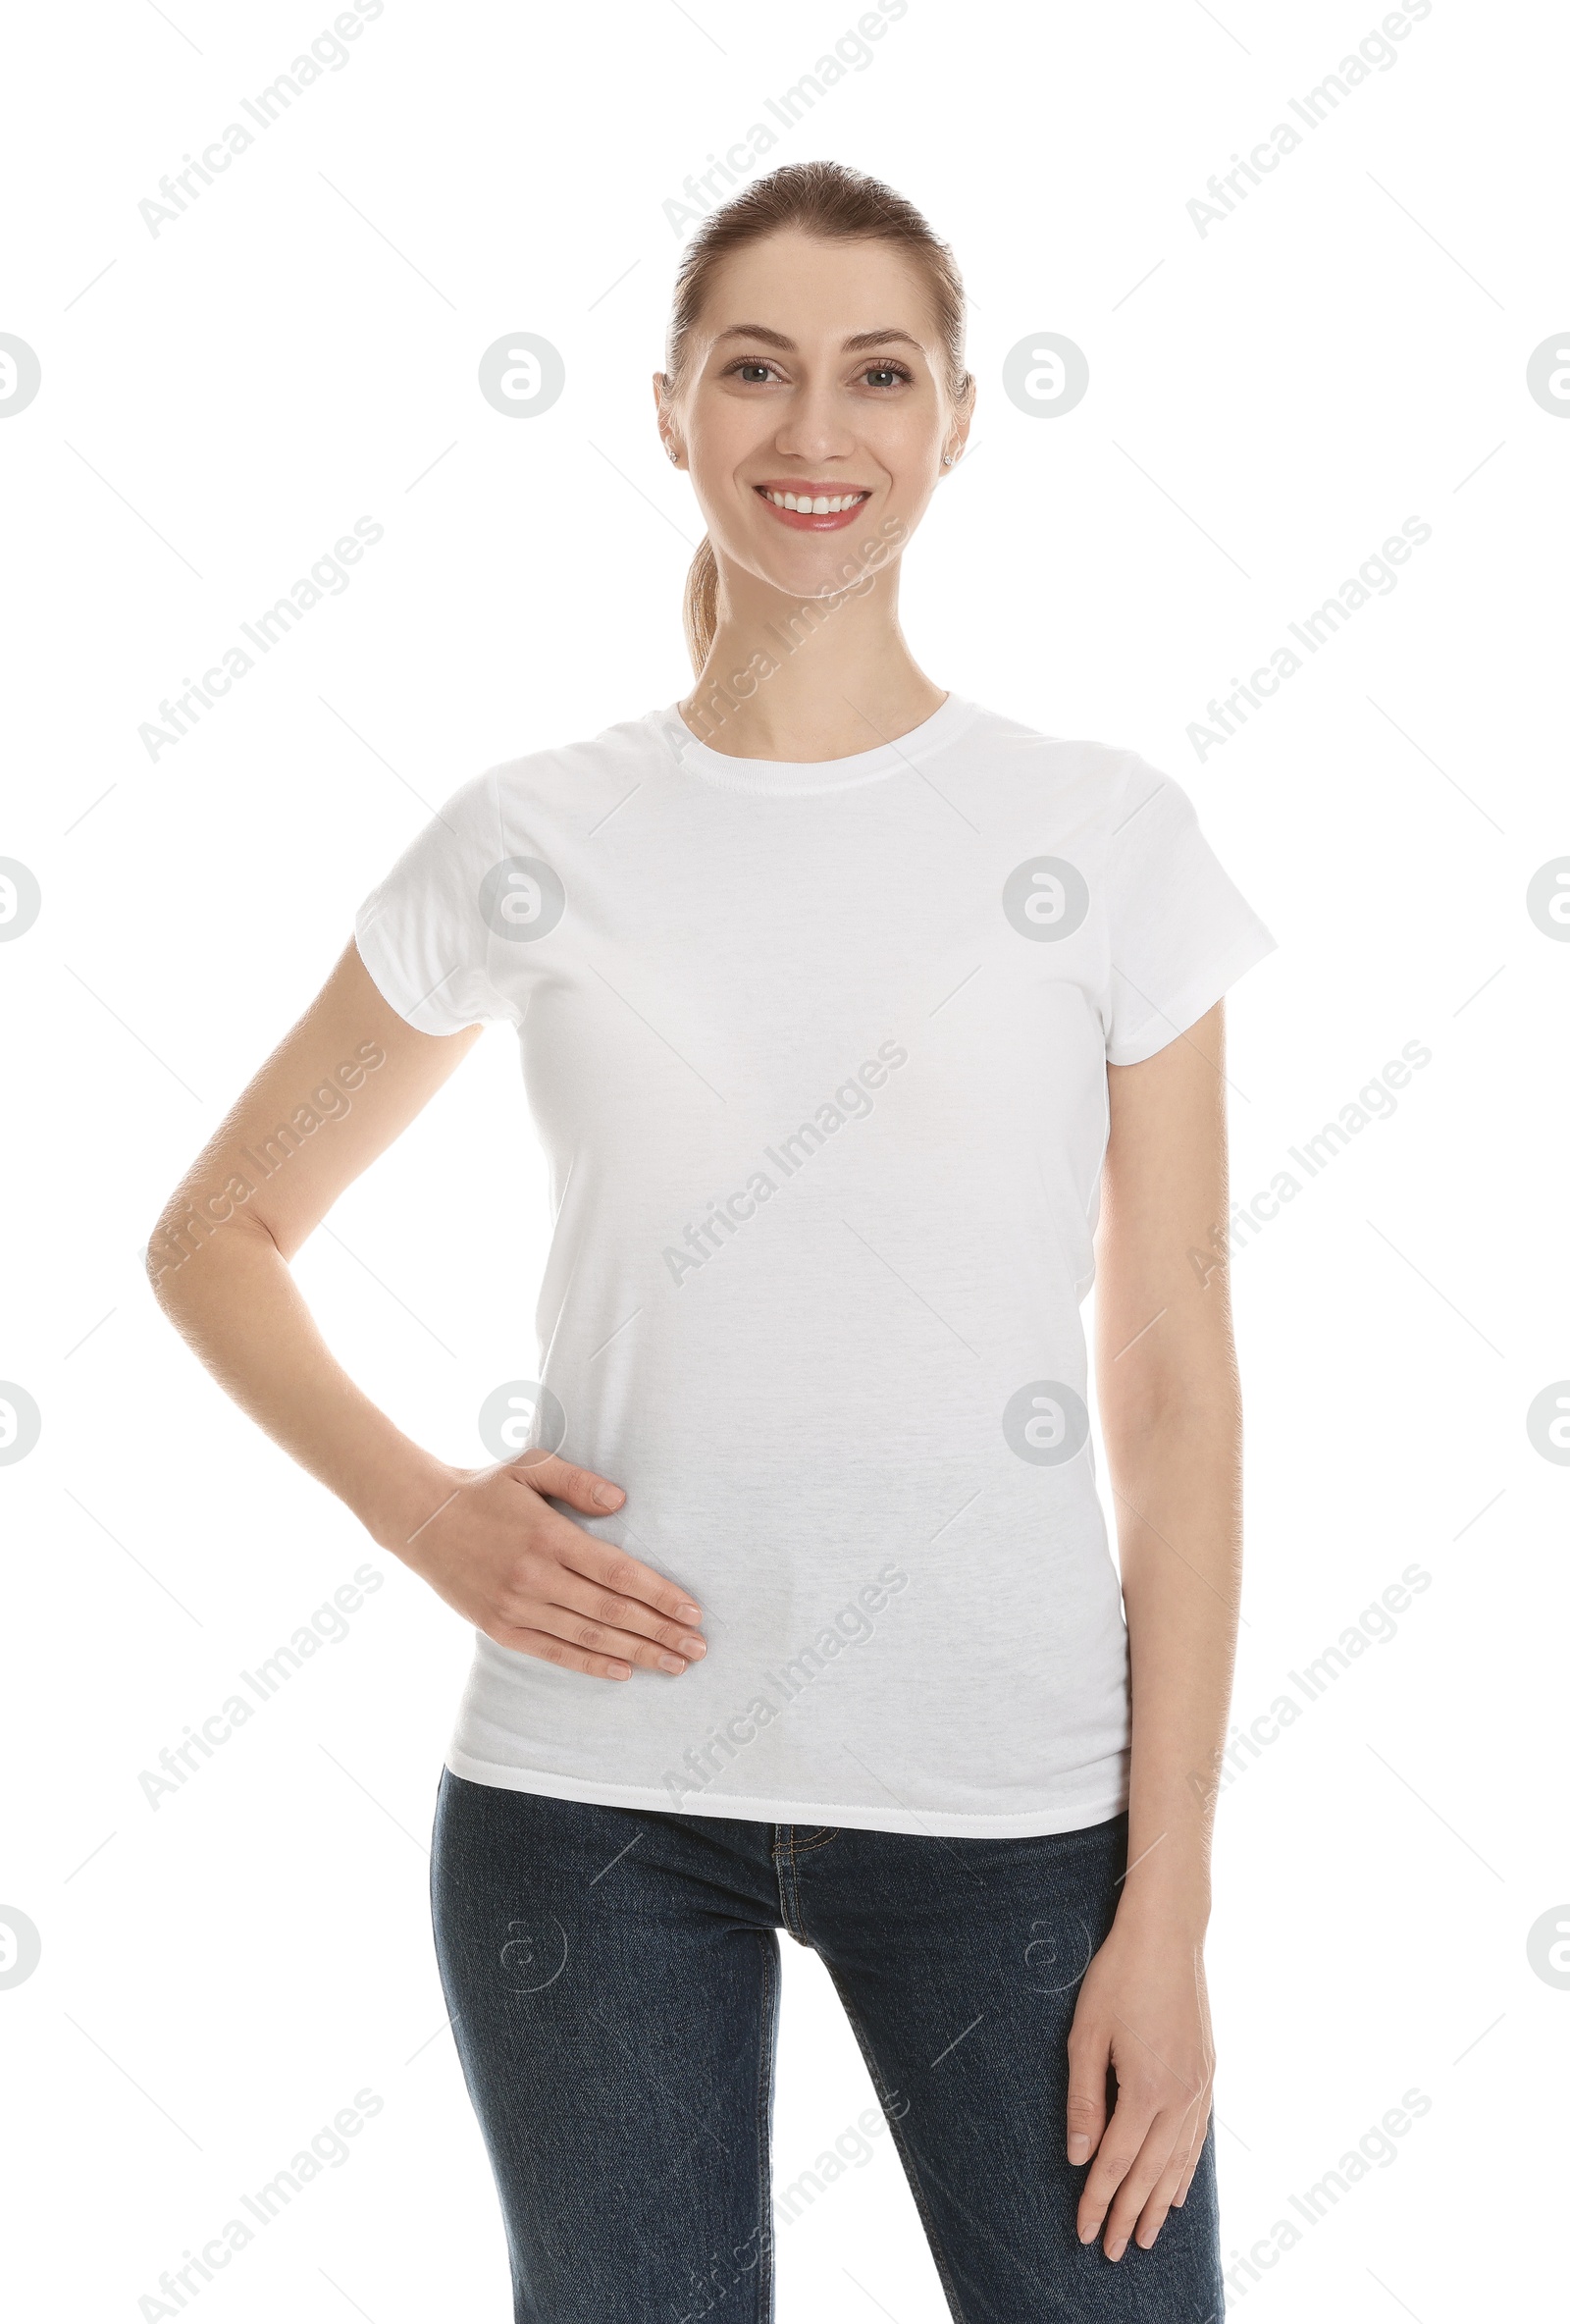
856, 344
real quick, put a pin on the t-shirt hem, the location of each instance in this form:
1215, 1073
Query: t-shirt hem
378, 961
1013, 1823
381, 966
1202, 993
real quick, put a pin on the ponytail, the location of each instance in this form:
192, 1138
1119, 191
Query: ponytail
699, 605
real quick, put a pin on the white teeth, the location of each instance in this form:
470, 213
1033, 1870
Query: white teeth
824, 505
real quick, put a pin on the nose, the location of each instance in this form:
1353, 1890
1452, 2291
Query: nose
813, 428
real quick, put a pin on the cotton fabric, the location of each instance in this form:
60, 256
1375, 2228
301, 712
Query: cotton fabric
817, 1054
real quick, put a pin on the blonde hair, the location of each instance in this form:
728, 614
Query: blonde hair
838, 204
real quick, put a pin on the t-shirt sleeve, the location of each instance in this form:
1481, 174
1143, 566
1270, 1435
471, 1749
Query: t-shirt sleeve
1180, 932
422, 933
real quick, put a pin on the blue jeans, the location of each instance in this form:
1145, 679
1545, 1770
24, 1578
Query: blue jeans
613, 1981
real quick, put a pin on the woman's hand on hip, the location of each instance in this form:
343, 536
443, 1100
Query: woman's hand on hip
501, 1556
1142, 2011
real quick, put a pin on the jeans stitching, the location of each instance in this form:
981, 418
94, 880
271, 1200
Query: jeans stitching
765, 2083
785, 1876
805, 1847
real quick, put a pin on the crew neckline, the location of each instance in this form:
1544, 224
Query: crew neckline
773, 777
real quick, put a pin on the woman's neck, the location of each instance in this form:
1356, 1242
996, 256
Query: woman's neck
805, 680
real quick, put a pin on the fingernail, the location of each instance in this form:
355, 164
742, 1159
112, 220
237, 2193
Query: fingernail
689, 1613
1087, 2234
619, 1671
1115, 2250
672, 1663
694, 1647
1078, 2147
607, 1496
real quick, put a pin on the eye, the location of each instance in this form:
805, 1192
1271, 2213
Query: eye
750, 363
884, 376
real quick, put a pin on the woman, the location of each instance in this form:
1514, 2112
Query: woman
847, 1008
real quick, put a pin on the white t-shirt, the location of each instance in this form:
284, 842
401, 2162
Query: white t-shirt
819, 1057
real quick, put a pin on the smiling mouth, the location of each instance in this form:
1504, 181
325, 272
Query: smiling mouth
812, 512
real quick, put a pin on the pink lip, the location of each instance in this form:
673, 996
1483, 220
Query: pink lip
807, 523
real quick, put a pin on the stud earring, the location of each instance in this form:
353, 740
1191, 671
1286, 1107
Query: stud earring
948, 460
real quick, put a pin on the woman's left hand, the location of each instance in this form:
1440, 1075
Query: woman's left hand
1142, 2011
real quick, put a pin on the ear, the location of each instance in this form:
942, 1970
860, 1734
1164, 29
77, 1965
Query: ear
964, 414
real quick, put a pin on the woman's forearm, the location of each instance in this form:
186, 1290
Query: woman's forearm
233, 1299
1175, 1478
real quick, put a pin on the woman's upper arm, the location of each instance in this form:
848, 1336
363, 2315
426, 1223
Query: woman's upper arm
338, 1088
1162, 1242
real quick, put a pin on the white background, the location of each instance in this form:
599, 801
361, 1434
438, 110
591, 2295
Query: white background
1268, 402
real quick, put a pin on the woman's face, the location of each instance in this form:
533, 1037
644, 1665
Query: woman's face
814, 370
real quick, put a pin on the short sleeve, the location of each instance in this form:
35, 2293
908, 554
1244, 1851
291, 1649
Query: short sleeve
422, 933
1180, 932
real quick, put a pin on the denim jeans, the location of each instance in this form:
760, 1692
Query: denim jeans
613, 1981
